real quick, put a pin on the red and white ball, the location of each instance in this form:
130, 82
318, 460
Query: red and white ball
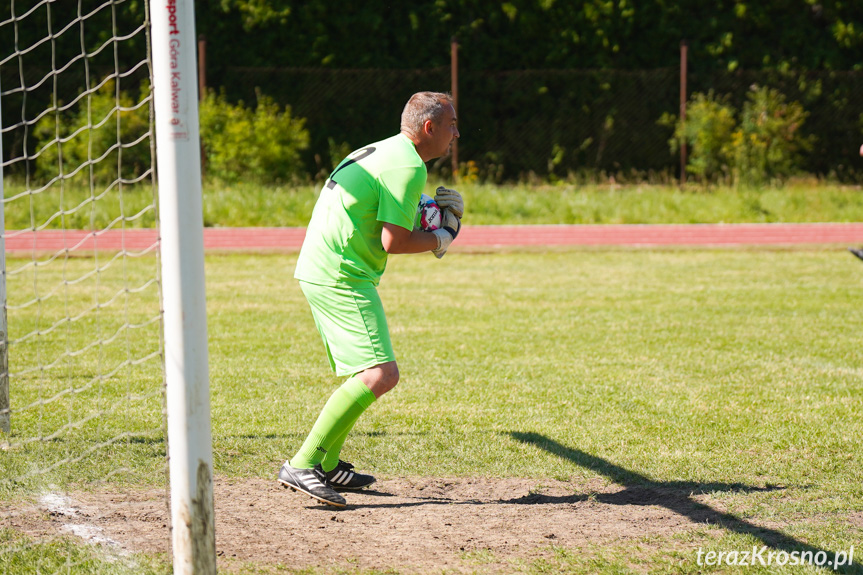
429, 215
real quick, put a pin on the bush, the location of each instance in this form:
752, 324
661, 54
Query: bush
707, 131
768, 142
96, 131
764, 147
261, 145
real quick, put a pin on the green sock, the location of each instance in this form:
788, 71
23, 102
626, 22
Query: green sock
341, 411
331, 459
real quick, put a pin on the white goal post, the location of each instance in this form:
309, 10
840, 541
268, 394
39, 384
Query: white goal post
4, 334
105, 319
185, 321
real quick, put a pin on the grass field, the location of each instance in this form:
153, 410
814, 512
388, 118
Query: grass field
734, 375
247, 205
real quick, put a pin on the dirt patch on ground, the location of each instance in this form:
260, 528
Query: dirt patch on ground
412, 525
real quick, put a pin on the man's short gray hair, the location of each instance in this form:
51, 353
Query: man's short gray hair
421, 107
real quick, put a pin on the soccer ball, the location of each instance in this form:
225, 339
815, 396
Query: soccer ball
428, 214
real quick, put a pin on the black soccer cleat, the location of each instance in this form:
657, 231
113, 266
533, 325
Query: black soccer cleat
312, 483
857, 252
343, 478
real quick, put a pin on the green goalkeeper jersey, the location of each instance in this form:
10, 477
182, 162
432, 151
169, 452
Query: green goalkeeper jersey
378, 184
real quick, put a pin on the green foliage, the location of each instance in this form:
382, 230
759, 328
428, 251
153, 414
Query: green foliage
707, 131
257, 13
519, 98
548, 35
261, 145
100, 139
765, 147
768, 142
545, 34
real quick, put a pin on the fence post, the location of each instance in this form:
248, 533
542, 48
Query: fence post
202, 67
454, 92
683, 49
202, 89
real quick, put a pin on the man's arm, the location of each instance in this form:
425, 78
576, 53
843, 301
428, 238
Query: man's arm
399, 240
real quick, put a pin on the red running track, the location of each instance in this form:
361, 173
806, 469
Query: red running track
290, 239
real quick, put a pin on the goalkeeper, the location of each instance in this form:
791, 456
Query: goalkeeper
365, 212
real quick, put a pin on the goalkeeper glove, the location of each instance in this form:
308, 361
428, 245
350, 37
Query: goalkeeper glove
450, 199
451, 226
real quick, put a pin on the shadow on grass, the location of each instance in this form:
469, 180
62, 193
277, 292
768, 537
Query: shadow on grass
673, 495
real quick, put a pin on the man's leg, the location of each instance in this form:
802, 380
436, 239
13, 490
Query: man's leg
379, 379
338, 416
354, 331
341, 411
320, 451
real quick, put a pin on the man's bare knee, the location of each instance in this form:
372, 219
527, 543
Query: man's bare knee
380, 378
391, 373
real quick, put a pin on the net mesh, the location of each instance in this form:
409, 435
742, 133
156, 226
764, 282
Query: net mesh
84, 397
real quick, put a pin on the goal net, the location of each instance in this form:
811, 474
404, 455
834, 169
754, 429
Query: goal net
81, 389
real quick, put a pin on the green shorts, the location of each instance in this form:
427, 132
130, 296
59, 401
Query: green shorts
352, 323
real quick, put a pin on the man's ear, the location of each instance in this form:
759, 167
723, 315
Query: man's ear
428, 127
